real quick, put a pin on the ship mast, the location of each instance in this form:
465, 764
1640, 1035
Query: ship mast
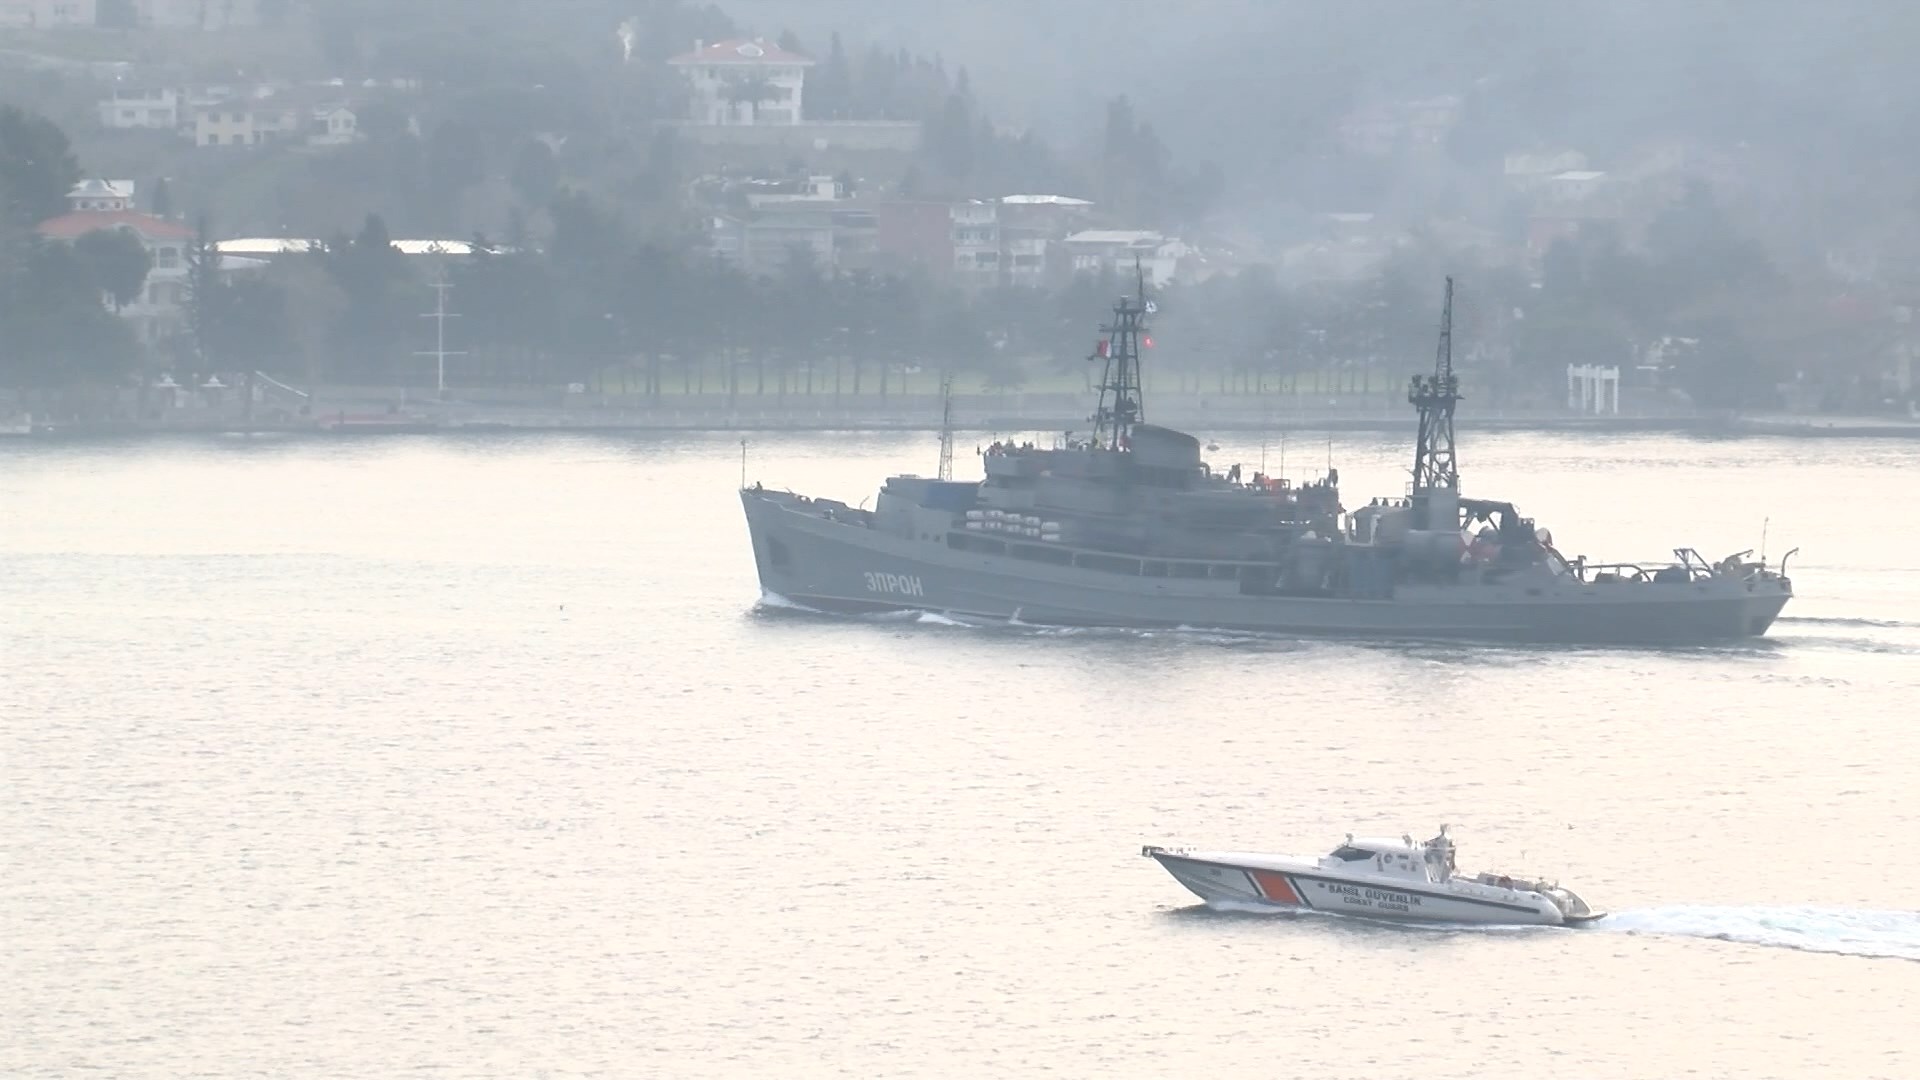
1436, 477
1120, 406
946, 425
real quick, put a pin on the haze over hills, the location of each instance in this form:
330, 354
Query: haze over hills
1815, 107
1718, 195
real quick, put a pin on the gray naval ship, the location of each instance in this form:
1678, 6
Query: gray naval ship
1131, 528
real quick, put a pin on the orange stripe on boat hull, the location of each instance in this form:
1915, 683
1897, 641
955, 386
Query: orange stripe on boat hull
1275, 886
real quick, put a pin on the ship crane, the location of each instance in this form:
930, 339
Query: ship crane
946, 425
1436, 476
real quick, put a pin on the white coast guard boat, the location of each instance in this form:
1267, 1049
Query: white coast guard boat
1376, 878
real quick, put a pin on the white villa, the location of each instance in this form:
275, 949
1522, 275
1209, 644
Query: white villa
744, 82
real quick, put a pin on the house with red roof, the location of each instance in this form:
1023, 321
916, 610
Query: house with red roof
744, 82
160, 311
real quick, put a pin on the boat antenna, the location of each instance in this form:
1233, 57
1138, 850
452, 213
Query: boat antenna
743, 464
946, 425
1763, 540
1120, 399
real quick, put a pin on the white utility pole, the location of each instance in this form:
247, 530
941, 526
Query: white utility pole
440, 315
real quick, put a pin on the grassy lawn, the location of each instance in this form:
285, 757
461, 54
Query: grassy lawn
831, 377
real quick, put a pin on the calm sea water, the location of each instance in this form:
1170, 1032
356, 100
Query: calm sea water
483, 759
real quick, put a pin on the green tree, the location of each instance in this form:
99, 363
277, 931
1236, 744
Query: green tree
590, 255
37, 168
830, 89
202, 291
1698, 249
950, 138
58, 334
506, 302
249, 326
1723, 372
313, 306
116, 262
1135, 167
381, 122
751, 91
456, 161
373, 333
535, 175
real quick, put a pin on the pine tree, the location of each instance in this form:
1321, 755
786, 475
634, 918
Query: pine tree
830, 93
203, 284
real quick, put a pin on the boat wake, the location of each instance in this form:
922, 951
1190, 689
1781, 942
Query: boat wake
1871, 624
773, 601
775, 604
1893, 935
1880, 935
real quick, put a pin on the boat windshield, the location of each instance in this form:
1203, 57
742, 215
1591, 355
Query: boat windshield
1349, 853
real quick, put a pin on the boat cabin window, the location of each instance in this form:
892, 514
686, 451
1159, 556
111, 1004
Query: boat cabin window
1031, 553
1110, 563
1349, 853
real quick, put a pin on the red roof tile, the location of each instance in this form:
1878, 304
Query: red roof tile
740, 51
79, 223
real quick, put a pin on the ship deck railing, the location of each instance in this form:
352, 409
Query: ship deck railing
1696, 567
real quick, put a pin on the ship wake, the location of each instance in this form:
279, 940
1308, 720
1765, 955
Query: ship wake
1880, 935
1875, 624
1271, 640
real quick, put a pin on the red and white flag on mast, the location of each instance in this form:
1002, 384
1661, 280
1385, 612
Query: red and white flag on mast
1100, 347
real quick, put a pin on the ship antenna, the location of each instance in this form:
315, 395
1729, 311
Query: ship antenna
1434, 397
946, 425
743, 464
1120, 400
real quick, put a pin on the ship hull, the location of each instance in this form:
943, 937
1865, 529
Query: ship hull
845, 567
1277, 887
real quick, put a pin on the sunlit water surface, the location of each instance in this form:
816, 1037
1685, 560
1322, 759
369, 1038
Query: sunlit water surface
484, 759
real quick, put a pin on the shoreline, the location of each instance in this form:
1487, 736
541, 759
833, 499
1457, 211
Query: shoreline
373, 410
823, 421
